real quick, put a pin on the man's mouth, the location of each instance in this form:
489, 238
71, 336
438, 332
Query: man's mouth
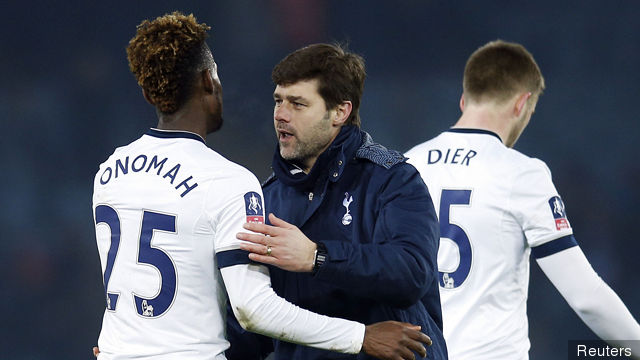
284, 135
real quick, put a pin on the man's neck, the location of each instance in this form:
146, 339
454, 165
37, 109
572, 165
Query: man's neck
484, 118
183, 120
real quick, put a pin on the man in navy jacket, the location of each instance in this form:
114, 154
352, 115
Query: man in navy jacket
356, 235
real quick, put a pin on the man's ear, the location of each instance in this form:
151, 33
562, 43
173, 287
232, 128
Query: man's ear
462, 102
521, 102
342, 113
207, 81
147, 97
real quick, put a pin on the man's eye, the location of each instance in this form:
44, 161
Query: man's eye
299, 105
278, 101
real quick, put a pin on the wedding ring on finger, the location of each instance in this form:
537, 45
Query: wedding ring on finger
268, 250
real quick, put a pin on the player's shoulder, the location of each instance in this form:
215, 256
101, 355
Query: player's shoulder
240, 172
525, 163
117, 152
422, 148
210, 161
225, 170
225, 182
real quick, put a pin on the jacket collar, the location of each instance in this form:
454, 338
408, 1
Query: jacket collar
330, 163
377, 153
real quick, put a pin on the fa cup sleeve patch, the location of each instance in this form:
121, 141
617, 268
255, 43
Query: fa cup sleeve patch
253, 207
559, 213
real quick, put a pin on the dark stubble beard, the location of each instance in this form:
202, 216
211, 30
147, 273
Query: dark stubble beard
317, 139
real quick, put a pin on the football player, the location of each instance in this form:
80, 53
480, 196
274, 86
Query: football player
496, 206
167, 209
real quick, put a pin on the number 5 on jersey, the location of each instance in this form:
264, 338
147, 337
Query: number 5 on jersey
147, 254
454, 276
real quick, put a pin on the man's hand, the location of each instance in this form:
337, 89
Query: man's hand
96, 351
286, 246
393, 340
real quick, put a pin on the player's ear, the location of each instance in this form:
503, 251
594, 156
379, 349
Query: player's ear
462, 102
342, 113
521, 102
147, 97
207, 81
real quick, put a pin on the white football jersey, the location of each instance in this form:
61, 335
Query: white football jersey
495, 205
167, 208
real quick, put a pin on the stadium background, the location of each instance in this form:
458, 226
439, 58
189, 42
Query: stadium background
67, 99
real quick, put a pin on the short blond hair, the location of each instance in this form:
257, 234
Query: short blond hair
499, 70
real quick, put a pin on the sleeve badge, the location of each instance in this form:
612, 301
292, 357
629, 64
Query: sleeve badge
559, 213
253, 207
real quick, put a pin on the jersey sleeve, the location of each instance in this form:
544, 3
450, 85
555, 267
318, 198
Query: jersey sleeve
258, 309
538, 208
591, 298
236, 200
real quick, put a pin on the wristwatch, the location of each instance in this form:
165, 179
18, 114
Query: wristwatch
320, 257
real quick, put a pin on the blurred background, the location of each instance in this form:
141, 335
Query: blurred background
67, 100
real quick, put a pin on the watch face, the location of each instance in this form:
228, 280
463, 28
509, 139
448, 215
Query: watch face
320, 258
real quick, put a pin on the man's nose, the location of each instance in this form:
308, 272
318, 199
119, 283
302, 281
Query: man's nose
281, 113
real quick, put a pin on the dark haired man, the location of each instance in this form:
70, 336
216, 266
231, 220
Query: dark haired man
355, 234
496, 206
167, 209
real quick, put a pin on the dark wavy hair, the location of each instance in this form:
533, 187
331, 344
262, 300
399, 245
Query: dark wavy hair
340, 74
165, 56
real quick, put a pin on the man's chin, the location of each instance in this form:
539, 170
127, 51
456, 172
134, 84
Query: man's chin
288, 156
285, 154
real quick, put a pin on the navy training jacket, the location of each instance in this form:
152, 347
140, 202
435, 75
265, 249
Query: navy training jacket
373, 213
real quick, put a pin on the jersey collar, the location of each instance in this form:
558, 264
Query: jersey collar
474, 131
167, 134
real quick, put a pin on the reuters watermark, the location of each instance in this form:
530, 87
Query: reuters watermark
600, 350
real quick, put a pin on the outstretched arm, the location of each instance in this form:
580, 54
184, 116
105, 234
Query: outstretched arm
591, 298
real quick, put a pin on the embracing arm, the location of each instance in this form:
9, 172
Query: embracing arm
591, 298
259, 309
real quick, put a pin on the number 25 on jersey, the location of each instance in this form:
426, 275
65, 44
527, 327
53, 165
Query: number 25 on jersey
147, 254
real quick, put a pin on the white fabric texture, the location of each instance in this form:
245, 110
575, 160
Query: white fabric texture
497, 202
259, 309
591, 298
